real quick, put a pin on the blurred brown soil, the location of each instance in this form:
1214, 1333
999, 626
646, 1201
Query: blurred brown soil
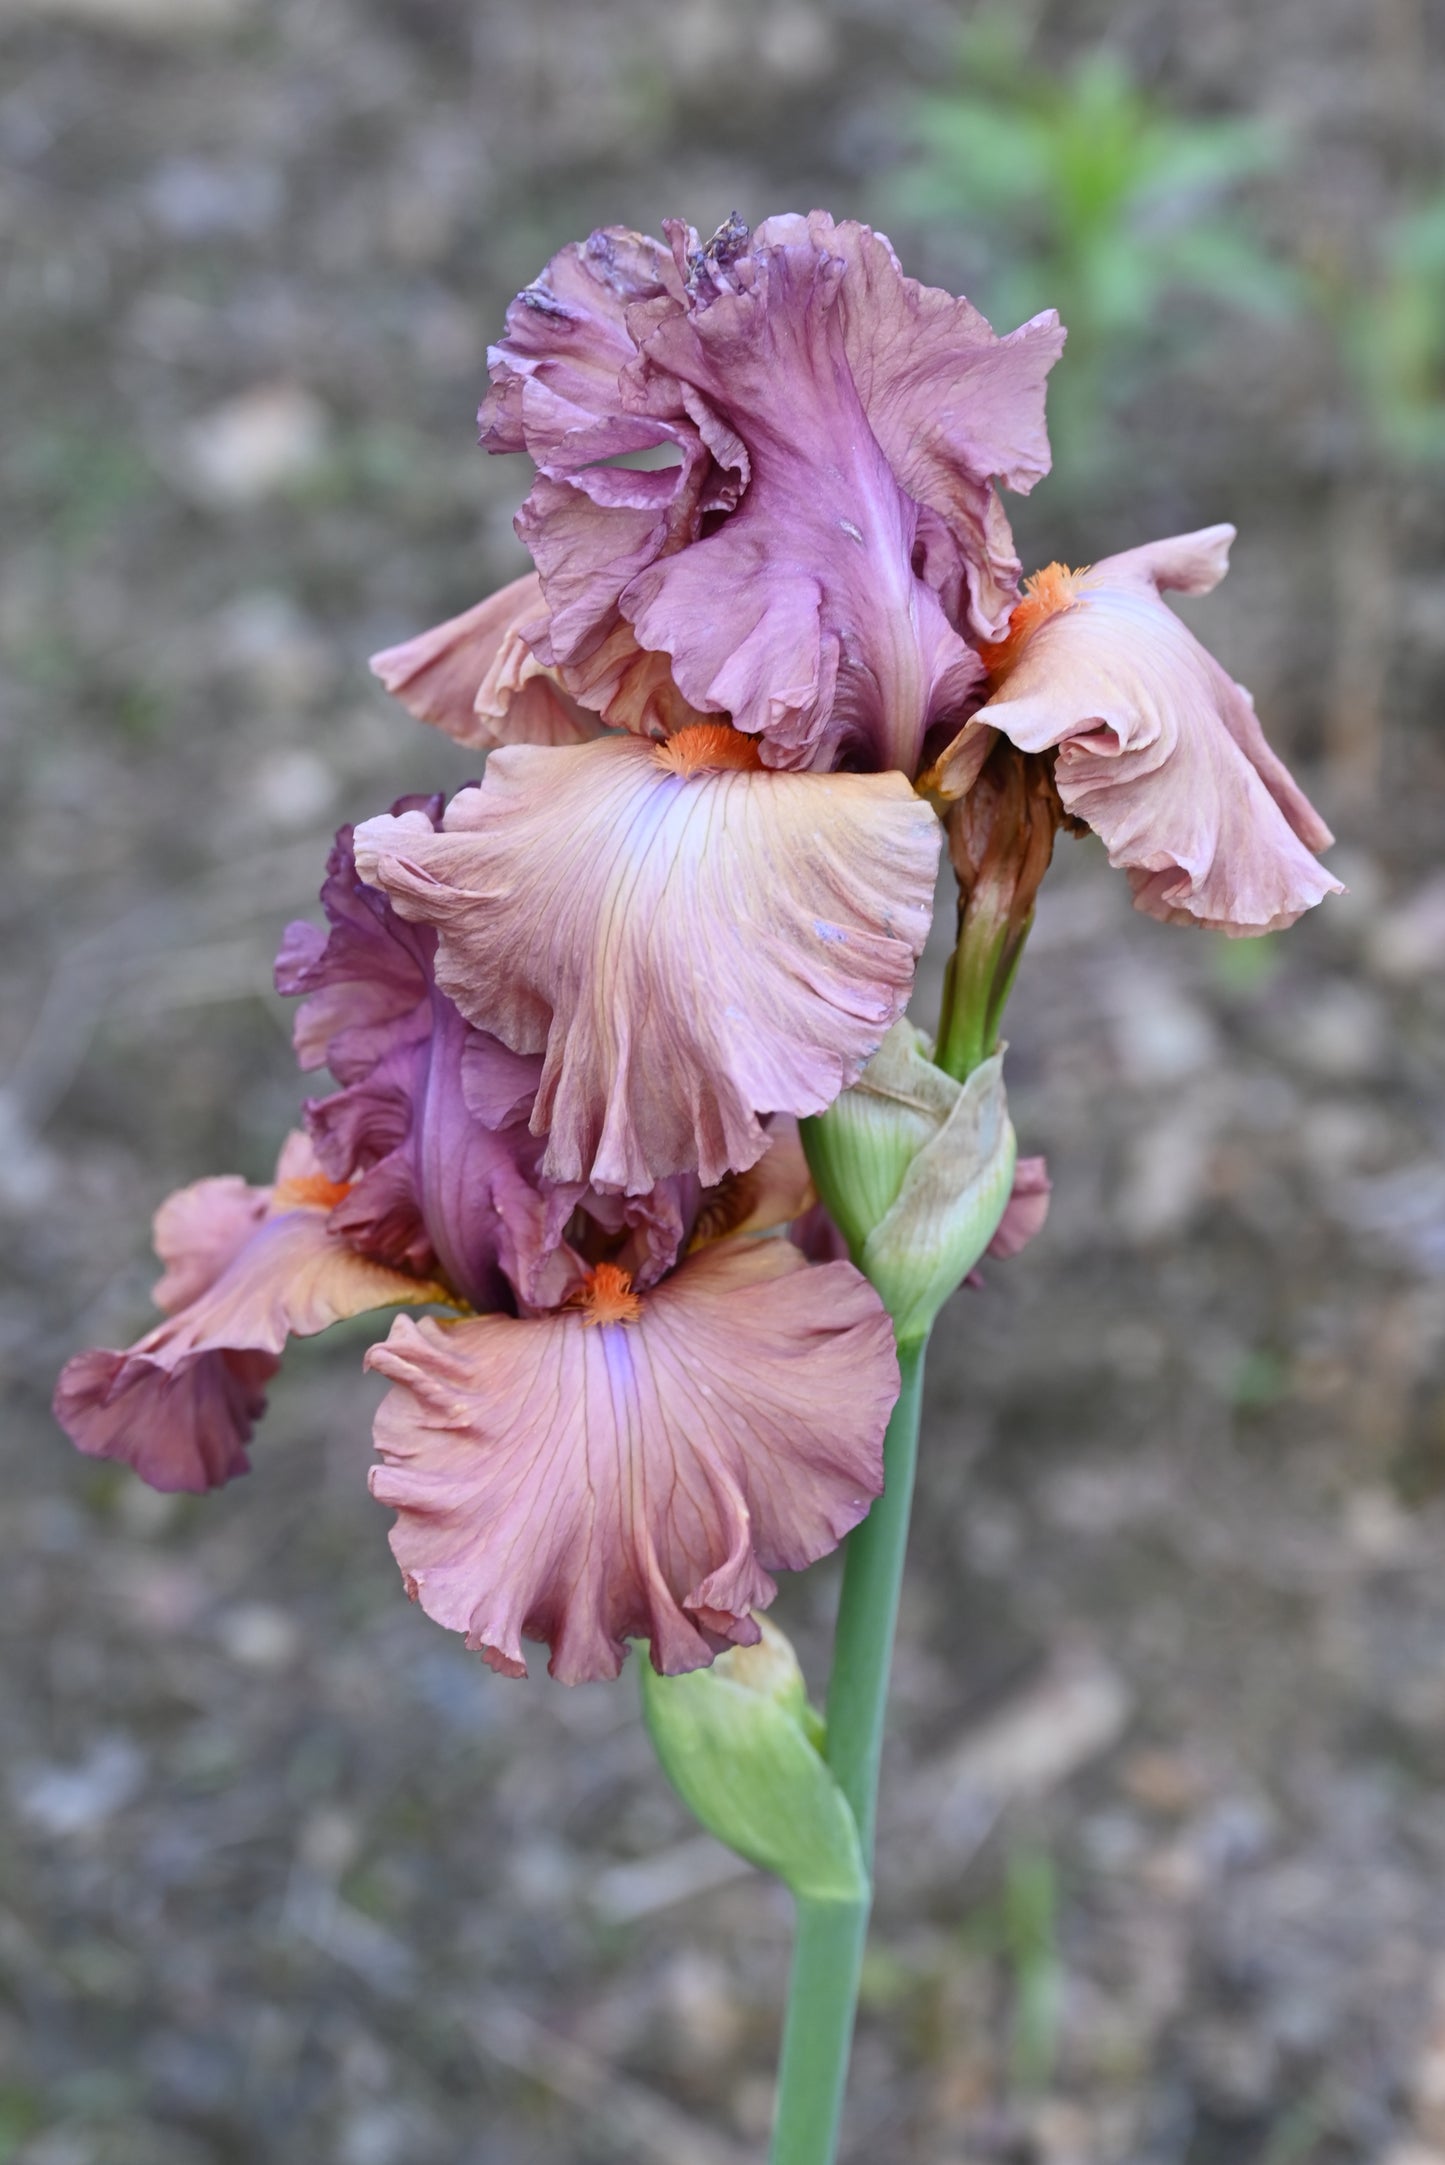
286, 1875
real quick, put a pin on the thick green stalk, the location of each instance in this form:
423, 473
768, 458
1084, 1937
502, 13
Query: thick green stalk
828, 1952
868, 1610
818, 2030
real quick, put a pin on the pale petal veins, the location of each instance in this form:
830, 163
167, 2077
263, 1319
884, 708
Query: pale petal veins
688, 952
583, 1484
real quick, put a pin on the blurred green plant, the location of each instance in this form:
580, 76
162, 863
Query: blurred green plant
1242, 969
1392, 334
1018, 1928
1078, 190
1030, 1905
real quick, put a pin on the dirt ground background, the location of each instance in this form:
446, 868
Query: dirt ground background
286, 1875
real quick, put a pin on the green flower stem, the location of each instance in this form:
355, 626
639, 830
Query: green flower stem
818, 2031
976, 985
868, 1610
828, 1952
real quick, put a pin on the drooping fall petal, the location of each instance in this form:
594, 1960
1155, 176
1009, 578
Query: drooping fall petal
690, 941
1158, 749
581, 1480
477, 678
246, 1268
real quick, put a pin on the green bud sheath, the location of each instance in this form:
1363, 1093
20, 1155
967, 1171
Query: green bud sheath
917, 1170
740, 1745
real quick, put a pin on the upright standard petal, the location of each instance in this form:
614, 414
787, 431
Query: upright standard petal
556, 394
1158, 749
636, 1466
689, 940
955, 407
476, 676
246, 1268
554, 372
832, 642
833, 433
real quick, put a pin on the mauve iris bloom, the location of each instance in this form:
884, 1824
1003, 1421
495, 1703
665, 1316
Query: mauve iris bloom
701, 931
664, 1402
827, 537
1158, 749
573, 1014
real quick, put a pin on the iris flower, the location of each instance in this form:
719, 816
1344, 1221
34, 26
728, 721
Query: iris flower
574, 1014
638, 1408
723, 923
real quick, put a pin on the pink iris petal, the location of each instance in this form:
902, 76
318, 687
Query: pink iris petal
198, 1230
477, 678
688, 949
554, 373
954, 406
430, 1129
581, 1482
838, 430
246, 1268
1026, 1209
830, 639
1158, 749
590, 525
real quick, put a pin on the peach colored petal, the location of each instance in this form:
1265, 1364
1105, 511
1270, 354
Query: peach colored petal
477, 678
629, 687
198, 1230
689, 950
583, 1482
1158, 749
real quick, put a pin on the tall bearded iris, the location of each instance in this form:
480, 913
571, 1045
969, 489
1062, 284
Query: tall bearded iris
772, 651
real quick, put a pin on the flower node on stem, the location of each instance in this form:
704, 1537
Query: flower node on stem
1000, 841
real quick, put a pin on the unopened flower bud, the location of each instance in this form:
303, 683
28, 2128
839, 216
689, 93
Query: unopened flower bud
917, 1170
742, 1747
